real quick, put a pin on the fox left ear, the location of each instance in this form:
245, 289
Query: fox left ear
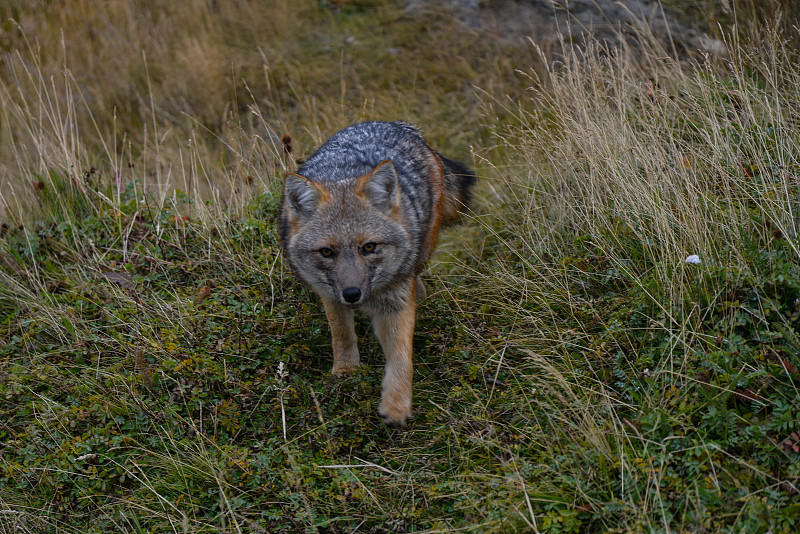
380, 187
302, 195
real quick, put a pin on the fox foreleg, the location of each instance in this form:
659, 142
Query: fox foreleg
343, 334
395, 330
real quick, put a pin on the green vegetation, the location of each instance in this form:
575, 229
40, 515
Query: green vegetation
162, 371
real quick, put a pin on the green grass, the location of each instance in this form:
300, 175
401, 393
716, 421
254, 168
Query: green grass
162, 371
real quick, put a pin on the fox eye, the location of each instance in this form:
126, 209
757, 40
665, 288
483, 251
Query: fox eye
368, 248
325, 252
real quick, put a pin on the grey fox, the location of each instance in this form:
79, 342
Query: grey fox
358, 222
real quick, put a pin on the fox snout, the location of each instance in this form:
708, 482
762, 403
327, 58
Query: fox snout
351, 293
350, 278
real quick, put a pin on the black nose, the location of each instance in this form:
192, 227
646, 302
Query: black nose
351, 294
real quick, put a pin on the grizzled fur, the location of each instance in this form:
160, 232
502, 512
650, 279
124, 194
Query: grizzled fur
358, 222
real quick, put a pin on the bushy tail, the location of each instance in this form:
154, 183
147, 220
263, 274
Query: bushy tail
458, 182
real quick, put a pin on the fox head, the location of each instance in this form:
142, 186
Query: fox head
347, 238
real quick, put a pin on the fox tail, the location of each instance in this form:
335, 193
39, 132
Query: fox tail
458, 182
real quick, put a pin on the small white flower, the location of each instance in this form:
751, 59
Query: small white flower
282, 372
694, 259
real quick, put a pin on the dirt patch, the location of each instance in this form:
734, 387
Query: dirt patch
549, 23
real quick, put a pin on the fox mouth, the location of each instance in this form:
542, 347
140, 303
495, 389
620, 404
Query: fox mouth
352, 305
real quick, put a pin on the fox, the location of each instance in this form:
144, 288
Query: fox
358, 222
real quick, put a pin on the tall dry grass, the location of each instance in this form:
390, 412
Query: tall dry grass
634, 161
197, 95
673, 157
142, 94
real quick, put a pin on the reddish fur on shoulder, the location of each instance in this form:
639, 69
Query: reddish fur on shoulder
438, 192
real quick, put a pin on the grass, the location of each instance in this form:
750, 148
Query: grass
162, 371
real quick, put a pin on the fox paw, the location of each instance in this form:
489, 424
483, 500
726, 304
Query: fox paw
395, 413
343, 370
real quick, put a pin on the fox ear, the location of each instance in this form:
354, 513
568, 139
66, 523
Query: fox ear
302, 195
380, 187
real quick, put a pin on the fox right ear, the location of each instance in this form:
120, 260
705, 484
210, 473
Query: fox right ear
302, 195
380, 186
